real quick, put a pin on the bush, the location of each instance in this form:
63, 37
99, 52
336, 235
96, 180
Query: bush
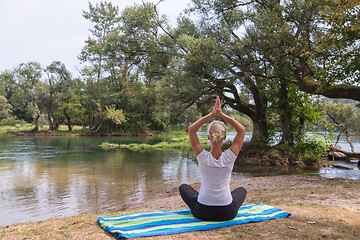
310, 149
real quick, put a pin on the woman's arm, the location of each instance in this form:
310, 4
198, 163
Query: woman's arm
193, 128
240, 133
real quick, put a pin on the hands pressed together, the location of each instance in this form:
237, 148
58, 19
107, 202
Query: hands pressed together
217, 107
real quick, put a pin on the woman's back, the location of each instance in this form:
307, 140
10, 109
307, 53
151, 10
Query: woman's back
215, 178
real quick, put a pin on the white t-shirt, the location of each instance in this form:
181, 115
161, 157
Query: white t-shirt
215, 178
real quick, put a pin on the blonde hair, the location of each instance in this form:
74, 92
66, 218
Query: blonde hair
217, 131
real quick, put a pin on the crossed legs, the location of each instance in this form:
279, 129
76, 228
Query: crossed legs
215, 213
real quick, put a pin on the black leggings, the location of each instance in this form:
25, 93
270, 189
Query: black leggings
212, 213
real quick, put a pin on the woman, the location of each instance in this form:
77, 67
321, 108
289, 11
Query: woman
215, 202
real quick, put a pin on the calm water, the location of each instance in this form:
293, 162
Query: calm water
50, 177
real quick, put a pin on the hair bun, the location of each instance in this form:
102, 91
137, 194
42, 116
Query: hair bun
217, 131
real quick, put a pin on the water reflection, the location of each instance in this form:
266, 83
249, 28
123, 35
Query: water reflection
44, 178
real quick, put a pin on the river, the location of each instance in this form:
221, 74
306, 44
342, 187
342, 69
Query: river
51, 177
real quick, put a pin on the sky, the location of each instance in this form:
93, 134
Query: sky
55, 30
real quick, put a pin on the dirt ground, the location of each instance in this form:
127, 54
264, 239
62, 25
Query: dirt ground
320, 209
282, 188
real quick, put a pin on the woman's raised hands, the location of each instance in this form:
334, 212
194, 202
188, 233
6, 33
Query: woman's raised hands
217, 107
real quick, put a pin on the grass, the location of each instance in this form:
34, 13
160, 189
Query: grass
173, 141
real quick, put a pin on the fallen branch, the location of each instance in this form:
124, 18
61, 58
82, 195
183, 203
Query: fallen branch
348, 154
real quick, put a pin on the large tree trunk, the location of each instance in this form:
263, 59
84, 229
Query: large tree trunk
55, 124
260, 124
68, 120
286, 117
51, 125
38, 114
259, 131
36, 122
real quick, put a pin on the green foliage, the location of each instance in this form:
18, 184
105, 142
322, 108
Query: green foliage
6, 119
310, 149
23, 94
340, 116
115, 115
343, 115
243, 119
56, 93
73, 106
275, 153
124, 63
301, 109
340, 38
172, 134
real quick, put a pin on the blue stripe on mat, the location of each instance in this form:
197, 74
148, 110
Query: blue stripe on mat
156, 223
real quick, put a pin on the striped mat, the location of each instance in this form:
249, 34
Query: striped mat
154, 223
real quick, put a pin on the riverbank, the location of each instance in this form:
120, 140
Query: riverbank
85, 132
320, 208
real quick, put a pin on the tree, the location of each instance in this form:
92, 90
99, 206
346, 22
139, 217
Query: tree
26, 79
6, 83
326, 49
141, 54
73, 110
338, 48
134, 59
73, 102
261, 49
115, 115
58, 82
344, 116
104, 18
6, 119
218, 60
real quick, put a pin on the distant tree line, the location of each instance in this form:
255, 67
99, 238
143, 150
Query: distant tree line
268, 60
